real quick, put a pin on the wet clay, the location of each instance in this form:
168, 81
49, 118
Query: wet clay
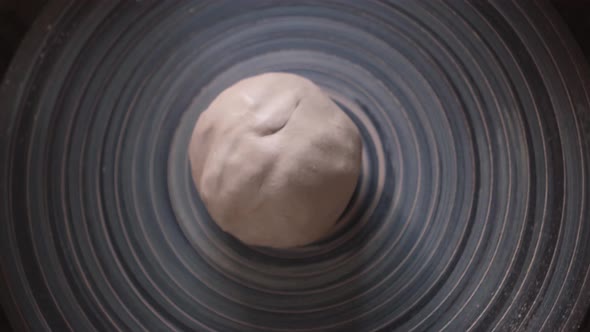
275, 160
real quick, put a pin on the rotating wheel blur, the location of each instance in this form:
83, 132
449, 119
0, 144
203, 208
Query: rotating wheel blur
471, 212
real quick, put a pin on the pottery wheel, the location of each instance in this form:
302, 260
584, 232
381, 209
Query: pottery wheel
471, 212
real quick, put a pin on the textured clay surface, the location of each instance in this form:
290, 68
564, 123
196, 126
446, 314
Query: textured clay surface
275, 160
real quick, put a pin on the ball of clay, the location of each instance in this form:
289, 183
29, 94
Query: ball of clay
275, 160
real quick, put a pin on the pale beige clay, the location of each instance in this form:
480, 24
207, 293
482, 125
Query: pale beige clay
275, 160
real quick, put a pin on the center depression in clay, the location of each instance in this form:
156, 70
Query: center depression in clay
275, 160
